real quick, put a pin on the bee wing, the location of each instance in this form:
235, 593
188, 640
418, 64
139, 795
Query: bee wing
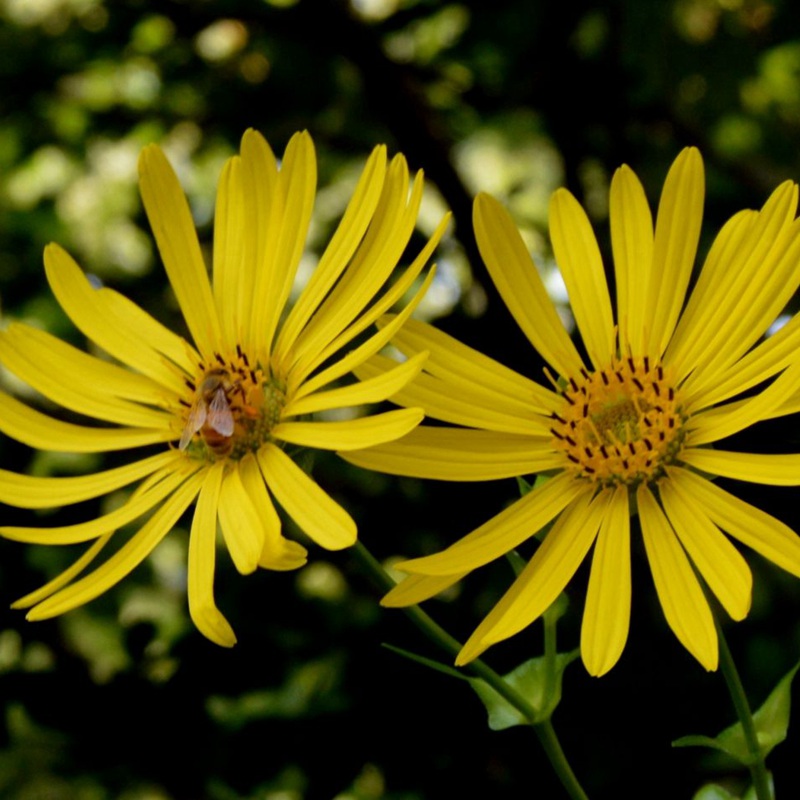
219, 414
197, 418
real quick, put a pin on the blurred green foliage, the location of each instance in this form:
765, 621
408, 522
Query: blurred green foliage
123, 698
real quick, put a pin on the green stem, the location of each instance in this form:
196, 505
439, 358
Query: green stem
757, 766
544, 730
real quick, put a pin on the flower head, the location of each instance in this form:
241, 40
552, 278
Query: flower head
628, 427
219, 412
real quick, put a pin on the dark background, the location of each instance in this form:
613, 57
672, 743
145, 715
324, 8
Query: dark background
123, 698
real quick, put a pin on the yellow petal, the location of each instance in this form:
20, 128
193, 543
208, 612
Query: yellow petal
241, 523
517, 280
372, 390
134, 508
25, 491
118, 325
678, 222
352, 434
751, 526
315, 513
458, 454
202, 557
682, 600
501, 534
38, 430
544, 577
416, 588
581, 265
632, 243
718, 561
129, 556
606, 616
175, 235
773, 469
339, 251
278, 553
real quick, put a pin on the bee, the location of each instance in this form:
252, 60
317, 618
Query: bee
211, 415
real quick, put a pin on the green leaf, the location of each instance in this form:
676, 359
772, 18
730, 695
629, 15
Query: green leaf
771, 723
540, 687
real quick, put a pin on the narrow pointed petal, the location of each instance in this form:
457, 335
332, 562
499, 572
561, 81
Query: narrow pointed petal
632, 244
517, 279
127, 558
416, 588
606, 615
685, 607
772, 469
501, 534
25, 491
372, 390
278, 553
352, 434
458, 454
751, 526
61, 580
581, 265
544, 577
116, 324
718, 561
173, 228
340, 250
241, 523
202, 559
315, 513
136, 506
38, 430
680, 214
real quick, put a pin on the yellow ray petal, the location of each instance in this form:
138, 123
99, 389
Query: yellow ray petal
339, 251
315, 512
296, 186
127, 558
458, 454
372, 390
517, 279
722, 422
233, 278
65, 577
38, 430
173, 228
718, 561
202, 557
351, 434
632, 244
278, 553
606, 615
544, 577
578, 258
682, 600
25, 491
680, 214
773, 469
462, 366
463, 404
505, 531
751, 526
241, 523
81, 382
134, 508
416, 588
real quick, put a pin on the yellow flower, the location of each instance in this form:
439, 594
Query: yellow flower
626, 428
220, 412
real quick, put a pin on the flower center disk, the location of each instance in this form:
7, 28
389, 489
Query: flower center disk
232, 408
621, 424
